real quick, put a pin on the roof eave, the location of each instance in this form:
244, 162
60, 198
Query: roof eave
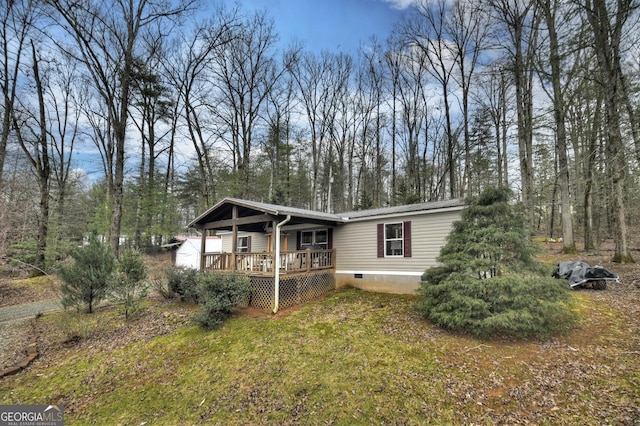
203, 215
269, 210
403, 214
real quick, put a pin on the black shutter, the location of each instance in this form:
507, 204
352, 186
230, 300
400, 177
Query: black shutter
381, 240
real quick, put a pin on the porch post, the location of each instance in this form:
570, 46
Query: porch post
276, 263
203, 247
234, 237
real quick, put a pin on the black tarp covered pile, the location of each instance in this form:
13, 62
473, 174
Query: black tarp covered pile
579, 273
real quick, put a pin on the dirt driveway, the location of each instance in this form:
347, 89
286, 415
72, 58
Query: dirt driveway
10, 314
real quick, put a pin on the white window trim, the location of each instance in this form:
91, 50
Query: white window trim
394, 239
245, 247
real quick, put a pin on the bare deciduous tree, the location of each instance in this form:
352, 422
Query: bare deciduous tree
518, 35
107, 35
36, 148
14, 30
245, 71
429, 33
550, 10
320, 80
188, 69
468, 28
607, 22
492, 94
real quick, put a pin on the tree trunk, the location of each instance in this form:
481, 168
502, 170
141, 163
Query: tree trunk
521, 21
120, 134
566, 207
590, 160
44, 168
607, 36
39, 160
14, 29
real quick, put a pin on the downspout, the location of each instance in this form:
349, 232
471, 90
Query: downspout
276, 264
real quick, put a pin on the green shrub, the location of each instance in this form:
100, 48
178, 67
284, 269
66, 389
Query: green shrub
161, 286
182, 281
488, 283
86, 281
129, 288
218, 294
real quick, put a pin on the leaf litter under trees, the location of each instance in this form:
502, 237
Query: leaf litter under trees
350, 357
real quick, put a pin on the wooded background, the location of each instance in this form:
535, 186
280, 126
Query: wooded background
130, 117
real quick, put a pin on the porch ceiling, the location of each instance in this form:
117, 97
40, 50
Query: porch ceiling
255, 217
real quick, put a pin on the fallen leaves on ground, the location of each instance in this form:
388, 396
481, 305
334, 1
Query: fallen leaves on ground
27, 290
354, 357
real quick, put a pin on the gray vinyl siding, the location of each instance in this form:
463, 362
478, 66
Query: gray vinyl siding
356, 243
258, 241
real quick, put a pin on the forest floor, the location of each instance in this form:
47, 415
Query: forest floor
21, 299
350, 357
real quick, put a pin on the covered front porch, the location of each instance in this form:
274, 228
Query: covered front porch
263, 264
280, 277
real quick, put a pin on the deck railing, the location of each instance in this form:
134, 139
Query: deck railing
263, 264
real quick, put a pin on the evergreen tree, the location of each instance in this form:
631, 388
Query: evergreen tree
129, 287
489, 283
87, 280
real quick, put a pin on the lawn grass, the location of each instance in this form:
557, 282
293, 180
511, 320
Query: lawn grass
351, 358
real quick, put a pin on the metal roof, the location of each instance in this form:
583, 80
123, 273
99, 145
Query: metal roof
284, 210
301, 214
221, 211
408, 208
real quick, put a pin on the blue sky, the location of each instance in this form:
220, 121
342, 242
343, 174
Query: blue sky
332, 25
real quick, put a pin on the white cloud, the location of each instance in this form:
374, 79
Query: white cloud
405, 4
402, 4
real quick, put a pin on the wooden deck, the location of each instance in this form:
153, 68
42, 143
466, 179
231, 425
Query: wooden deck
262, 264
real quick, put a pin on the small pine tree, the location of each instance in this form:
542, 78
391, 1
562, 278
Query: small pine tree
129, 288
86, 281
489, 283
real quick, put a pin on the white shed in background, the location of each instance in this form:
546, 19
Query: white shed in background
188, 253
